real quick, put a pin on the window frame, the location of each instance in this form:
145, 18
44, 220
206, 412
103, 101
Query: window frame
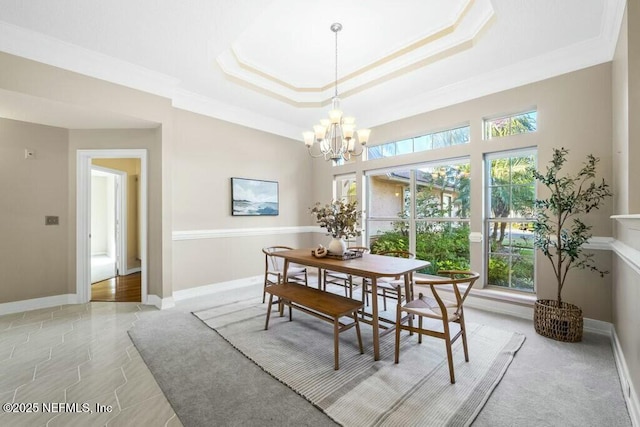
488, 220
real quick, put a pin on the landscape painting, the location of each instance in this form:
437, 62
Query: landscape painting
253, 197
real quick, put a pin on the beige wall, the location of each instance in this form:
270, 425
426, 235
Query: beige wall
132, 168
206, 153
33, 257
209, 152
574, 111
626, 157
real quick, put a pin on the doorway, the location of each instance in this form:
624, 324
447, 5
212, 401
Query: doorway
108, 212
127, 249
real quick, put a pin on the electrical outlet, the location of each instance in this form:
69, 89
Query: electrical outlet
51, 220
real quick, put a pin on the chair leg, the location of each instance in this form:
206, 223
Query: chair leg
447, 338
264, 288
384, 299
266, 324
463, 332
336, 332
398, 327
355, 319
420, 327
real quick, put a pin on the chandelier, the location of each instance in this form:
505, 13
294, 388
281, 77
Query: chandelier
336, 137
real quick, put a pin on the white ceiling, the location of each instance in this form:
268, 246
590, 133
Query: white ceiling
270, 64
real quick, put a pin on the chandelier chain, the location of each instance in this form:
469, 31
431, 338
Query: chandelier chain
336, 87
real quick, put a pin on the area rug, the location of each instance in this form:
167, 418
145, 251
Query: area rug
364, 392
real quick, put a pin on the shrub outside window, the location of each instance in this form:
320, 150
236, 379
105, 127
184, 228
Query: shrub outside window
424, 210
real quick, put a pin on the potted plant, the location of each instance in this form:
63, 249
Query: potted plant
340, 218
560, 233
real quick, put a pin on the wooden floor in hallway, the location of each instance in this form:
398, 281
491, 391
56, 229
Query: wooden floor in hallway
118, 289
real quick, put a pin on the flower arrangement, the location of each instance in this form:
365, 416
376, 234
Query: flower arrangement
339, 218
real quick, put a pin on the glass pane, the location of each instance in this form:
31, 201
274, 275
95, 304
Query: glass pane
443, 191
374, 152
422, 143
404, 147
389, 150
460, 135
346, 188
388, 195
499, 270
524, 123
522, 272
500, 201
499, 127
522, 199
511, 256
441, 139
388, 235
444, 244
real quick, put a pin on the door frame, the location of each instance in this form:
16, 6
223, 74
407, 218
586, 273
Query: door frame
121, 215
83, 216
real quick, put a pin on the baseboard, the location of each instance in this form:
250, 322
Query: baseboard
598, 326
37, 303
133, 270
161, 303
628, 390
217, 287
501, 307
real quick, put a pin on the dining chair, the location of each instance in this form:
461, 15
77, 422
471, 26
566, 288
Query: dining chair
446, 309
343, 279
274, 269
388, 286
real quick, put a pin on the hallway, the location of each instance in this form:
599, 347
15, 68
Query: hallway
118, 289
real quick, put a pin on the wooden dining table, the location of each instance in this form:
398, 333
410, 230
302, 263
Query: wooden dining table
368, 266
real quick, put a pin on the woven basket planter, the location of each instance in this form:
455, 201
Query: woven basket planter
561, 323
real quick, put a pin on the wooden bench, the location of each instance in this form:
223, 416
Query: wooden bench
323, 305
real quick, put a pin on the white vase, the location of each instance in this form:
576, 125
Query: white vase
337, 246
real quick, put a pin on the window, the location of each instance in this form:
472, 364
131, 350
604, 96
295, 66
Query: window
424, 210
431, 141
510, 195
345, 189
511, 125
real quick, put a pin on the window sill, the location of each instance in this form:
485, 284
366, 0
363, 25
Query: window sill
497, 301
505, 296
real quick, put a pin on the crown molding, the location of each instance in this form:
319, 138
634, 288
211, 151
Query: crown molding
49, 50
446, 41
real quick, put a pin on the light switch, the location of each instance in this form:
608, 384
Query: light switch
51, 220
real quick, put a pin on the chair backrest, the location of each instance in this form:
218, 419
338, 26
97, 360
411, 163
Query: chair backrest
274, 263
398, 254
456, 278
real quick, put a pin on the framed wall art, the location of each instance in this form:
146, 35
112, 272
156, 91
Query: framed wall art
253, 197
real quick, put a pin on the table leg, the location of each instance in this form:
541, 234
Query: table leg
320, 278
408, 279
374, 319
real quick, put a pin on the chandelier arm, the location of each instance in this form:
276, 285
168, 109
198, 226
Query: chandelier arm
315, 156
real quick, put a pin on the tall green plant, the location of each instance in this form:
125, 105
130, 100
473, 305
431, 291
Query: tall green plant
559, 231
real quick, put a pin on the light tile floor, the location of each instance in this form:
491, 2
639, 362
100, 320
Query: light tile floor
83, 354
78, 354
